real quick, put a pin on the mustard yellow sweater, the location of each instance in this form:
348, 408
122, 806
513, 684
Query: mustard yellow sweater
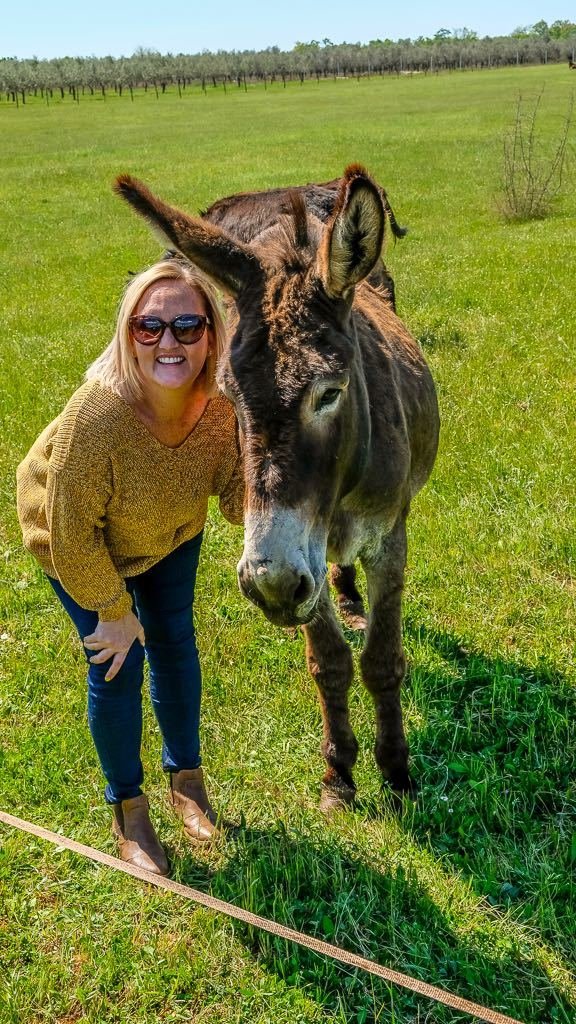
100, 498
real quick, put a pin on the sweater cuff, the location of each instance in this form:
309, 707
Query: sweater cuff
116, 609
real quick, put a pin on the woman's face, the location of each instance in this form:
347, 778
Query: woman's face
168, 363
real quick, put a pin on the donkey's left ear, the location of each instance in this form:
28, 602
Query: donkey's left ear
353, 238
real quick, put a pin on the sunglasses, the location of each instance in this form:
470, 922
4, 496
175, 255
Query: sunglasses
187, 328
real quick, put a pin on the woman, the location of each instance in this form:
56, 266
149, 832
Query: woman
112, 500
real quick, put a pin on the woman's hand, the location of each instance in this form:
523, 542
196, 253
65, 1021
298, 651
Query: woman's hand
114, 640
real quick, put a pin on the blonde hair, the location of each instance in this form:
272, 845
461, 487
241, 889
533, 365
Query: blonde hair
116, 367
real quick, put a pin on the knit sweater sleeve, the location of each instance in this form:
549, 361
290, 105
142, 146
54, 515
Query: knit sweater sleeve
78, 488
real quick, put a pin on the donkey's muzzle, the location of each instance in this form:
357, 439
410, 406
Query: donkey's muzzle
283, 591
283, 565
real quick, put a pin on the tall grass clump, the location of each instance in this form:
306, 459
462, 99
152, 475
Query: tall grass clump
533, 169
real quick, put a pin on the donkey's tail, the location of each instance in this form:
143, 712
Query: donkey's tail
397, 231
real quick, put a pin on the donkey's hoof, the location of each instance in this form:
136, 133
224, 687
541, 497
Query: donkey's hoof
407, 787
336, 798
399, 789
353, 614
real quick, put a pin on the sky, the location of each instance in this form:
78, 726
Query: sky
100, 27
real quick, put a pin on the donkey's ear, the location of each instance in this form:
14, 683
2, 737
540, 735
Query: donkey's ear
227, 262
353, 238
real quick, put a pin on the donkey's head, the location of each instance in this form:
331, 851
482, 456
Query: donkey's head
293, 370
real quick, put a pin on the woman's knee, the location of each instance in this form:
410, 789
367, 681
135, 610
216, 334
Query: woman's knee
174, 632
127, 680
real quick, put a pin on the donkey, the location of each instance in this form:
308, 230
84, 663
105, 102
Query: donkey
339, 427
245, 215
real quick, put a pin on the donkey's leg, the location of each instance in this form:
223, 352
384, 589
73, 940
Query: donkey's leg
330, 665
350, 604
382, 660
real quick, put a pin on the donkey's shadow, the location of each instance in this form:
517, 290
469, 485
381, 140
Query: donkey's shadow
318, 886
507, 748
493, 753
495, 780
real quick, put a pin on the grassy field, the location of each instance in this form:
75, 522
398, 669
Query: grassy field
473, 886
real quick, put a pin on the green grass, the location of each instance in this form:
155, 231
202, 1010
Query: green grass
473, 887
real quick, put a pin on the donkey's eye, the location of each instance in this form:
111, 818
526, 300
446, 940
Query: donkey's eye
328, 398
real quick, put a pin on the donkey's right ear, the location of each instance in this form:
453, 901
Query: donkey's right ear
228, 263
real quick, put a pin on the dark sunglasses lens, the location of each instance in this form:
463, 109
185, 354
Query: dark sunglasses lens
146, 329
189, 329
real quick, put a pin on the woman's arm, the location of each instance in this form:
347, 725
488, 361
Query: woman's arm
76, 499
76, 510
79, 487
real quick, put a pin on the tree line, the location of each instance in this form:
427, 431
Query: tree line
150, 70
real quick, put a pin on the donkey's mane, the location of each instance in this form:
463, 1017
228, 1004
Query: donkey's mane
300, 219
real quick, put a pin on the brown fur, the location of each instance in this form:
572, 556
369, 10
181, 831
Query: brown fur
248, 214
339, 427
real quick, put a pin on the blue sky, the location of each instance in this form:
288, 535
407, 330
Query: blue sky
63, 27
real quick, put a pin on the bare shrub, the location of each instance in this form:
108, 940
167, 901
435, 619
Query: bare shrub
533, 172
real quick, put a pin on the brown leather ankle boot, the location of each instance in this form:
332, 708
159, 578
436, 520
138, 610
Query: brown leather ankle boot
189, 798
137, 841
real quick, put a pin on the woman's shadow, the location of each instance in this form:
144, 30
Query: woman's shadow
496, 780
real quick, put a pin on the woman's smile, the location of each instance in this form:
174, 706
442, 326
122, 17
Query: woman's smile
170, 360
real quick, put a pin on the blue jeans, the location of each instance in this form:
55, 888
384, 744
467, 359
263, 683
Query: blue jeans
163, 599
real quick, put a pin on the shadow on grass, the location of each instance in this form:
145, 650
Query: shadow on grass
493, 754
320, 887
503, 759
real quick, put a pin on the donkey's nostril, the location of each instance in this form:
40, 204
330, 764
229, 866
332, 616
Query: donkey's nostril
304, 589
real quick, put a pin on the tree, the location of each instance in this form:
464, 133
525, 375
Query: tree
457, 48
541, 29
562, 29
464, 33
